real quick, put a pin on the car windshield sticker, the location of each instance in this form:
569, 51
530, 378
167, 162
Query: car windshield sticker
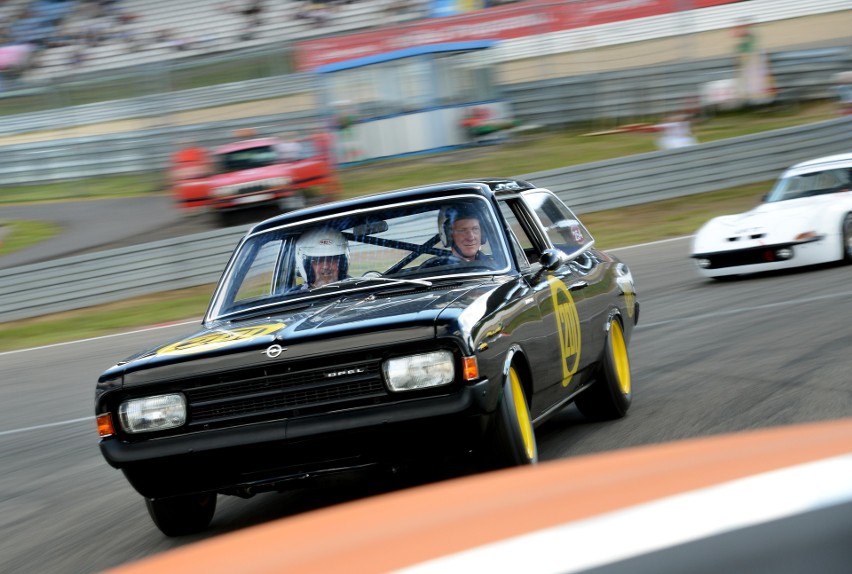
568, 325
217, 339
507, 185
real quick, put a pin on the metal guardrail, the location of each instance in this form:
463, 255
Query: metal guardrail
97, 278
158, 105
141, 151
107, 276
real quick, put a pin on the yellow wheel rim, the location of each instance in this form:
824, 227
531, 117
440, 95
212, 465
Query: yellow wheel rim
619, 356
523, 414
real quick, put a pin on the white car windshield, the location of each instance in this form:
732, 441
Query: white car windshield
810, 184
409, 245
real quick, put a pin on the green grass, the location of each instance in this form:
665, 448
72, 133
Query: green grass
92, 188
553, 150
678, 217
104, 319
19, 234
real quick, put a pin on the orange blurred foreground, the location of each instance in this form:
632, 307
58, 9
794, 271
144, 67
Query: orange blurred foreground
406, 528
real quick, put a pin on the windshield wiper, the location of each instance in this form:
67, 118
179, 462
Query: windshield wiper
265, 309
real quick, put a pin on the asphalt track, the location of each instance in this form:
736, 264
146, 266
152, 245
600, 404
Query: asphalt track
707, 358
99, 224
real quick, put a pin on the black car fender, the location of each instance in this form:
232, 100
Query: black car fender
614, 315
516, 354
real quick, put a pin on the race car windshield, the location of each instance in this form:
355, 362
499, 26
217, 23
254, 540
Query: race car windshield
810, 184
408, 246
250, 158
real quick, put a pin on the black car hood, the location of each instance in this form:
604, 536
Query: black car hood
343, 323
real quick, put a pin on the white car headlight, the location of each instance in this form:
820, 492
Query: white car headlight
152, 413
420, 371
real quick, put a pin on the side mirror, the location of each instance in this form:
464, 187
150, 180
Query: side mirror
551, 259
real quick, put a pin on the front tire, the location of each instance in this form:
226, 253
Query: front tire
513, 440
847, 238
610, 395
182, 515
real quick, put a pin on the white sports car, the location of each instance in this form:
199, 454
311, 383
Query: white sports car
806, 219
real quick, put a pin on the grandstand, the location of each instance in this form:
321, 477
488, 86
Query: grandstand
94, 36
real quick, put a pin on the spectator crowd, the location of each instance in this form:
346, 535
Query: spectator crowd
57, 37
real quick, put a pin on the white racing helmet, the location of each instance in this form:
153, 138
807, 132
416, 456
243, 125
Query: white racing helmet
448, 215
317, 244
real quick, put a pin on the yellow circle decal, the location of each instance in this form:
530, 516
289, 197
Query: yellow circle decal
568, 326
217, 339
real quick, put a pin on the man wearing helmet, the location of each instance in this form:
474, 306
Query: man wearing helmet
322, 257
460, 229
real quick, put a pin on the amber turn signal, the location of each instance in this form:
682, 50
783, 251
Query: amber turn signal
470, 370
105, 427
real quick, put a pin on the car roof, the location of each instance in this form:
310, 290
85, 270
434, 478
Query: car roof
247, 144
821, 163
485, 187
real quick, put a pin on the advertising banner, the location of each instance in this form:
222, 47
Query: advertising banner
529, 18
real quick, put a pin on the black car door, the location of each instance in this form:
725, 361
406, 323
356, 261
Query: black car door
569, 315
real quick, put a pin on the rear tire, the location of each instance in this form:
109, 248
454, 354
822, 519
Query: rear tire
847, 238
610, 395
513, 440
182, 515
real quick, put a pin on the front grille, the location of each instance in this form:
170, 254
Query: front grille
253, 188
752, 236
282, 391
743, 257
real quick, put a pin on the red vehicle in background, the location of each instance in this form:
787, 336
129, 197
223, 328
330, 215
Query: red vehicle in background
286, 174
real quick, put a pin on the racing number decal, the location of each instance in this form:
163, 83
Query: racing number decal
217, 339
568, 325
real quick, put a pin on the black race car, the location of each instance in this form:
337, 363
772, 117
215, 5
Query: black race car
375, 333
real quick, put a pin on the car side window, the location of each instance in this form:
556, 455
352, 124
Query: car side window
563, 228
524, 248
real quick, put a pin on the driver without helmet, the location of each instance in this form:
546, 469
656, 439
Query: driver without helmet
322, 257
